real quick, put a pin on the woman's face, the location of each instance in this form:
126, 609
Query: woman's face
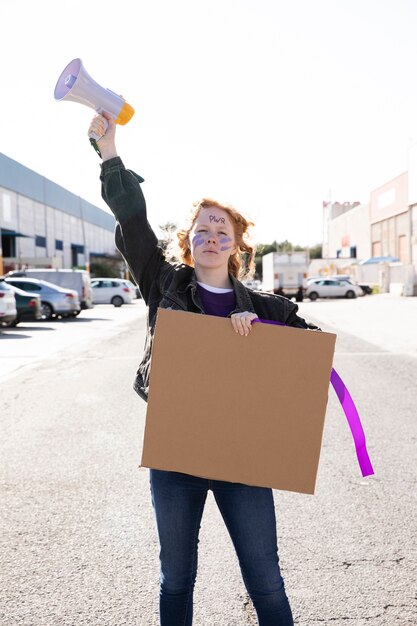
212, 239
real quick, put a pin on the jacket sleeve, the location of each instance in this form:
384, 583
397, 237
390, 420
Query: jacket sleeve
292, 319
135, 239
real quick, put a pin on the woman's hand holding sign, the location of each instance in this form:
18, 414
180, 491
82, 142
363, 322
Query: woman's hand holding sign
242, 322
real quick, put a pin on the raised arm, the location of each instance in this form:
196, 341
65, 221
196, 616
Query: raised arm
122, 192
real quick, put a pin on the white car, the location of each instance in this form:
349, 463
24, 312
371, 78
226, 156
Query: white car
134, 290
255, 284
8, 310
114, 291
328, 288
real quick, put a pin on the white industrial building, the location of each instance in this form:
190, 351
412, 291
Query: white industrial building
349, 232
44, 225
376, 242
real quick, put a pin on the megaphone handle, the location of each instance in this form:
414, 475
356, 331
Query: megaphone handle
94, 138
95, 146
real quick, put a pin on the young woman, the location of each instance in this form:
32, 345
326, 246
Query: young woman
206, 281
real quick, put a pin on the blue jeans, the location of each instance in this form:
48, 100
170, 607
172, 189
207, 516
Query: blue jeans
249, 515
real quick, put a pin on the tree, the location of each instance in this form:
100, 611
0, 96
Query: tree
168, 229
109, 266
282, 246
266, 248
316, 251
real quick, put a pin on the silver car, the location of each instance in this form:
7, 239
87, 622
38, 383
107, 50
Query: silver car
67, 279
55, 301
326, 288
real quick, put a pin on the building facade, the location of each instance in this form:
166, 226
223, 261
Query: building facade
349, 233
44, 225
412, 202
390, 220
379, 238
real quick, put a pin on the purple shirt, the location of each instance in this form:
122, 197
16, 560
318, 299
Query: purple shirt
220, 304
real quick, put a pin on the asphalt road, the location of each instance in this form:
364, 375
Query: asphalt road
78, 541
30, 343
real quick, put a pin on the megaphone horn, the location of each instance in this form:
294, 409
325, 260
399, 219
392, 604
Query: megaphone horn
76, 84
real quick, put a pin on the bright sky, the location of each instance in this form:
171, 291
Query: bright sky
270, 105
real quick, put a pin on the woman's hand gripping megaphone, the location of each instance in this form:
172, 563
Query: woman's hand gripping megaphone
102, 134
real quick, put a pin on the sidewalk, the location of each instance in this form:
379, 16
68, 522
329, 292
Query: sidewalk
385, 320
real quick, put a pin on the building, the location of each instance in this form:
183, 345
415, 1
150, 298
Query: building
390, 220
376, 242
412, 202
45, 225
349, 231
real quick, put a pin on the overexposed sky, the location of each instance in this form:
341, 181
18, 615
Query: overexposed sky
270, 105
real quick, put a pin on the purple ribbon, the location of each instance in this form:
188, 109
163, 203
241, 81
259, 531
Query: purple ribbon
351, 413
354, 422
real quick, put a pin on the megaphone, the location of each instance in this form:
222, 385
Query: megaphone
76, 84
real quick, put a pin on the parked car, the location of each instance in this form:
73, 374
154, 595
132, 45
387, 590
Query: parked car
28, 305
367, 289
326, 288
112, 291
255, 284
68, 279
135, 289
55, 301
8, 307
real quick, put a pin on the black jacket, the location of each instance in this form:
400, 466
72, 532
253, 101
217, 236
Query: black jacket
163, 284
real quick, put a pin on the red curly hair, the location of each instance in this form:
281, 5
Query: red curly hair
242, 262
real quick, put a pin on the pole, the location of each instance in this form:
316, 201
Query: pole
327, 226
86, 254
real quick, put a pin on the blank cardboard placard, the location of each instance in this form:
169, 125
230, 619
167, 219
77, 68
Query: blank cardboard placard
242, 409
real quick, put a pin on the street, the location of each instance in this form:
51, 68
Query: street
29, 342
78, 539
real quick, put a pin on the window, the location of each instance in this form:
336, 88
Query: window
101, 284
27, 286
402, 248
76, 249
376, 248
32, 286
59, 245
40, 241
8, 243
353, 252
7, 208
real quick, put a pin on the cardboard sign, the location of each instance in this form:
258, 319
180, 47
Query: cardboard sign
241, 409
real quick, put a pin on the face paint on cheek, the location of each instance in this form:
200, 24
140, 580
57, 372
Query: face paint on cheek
223, 241
197, 241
